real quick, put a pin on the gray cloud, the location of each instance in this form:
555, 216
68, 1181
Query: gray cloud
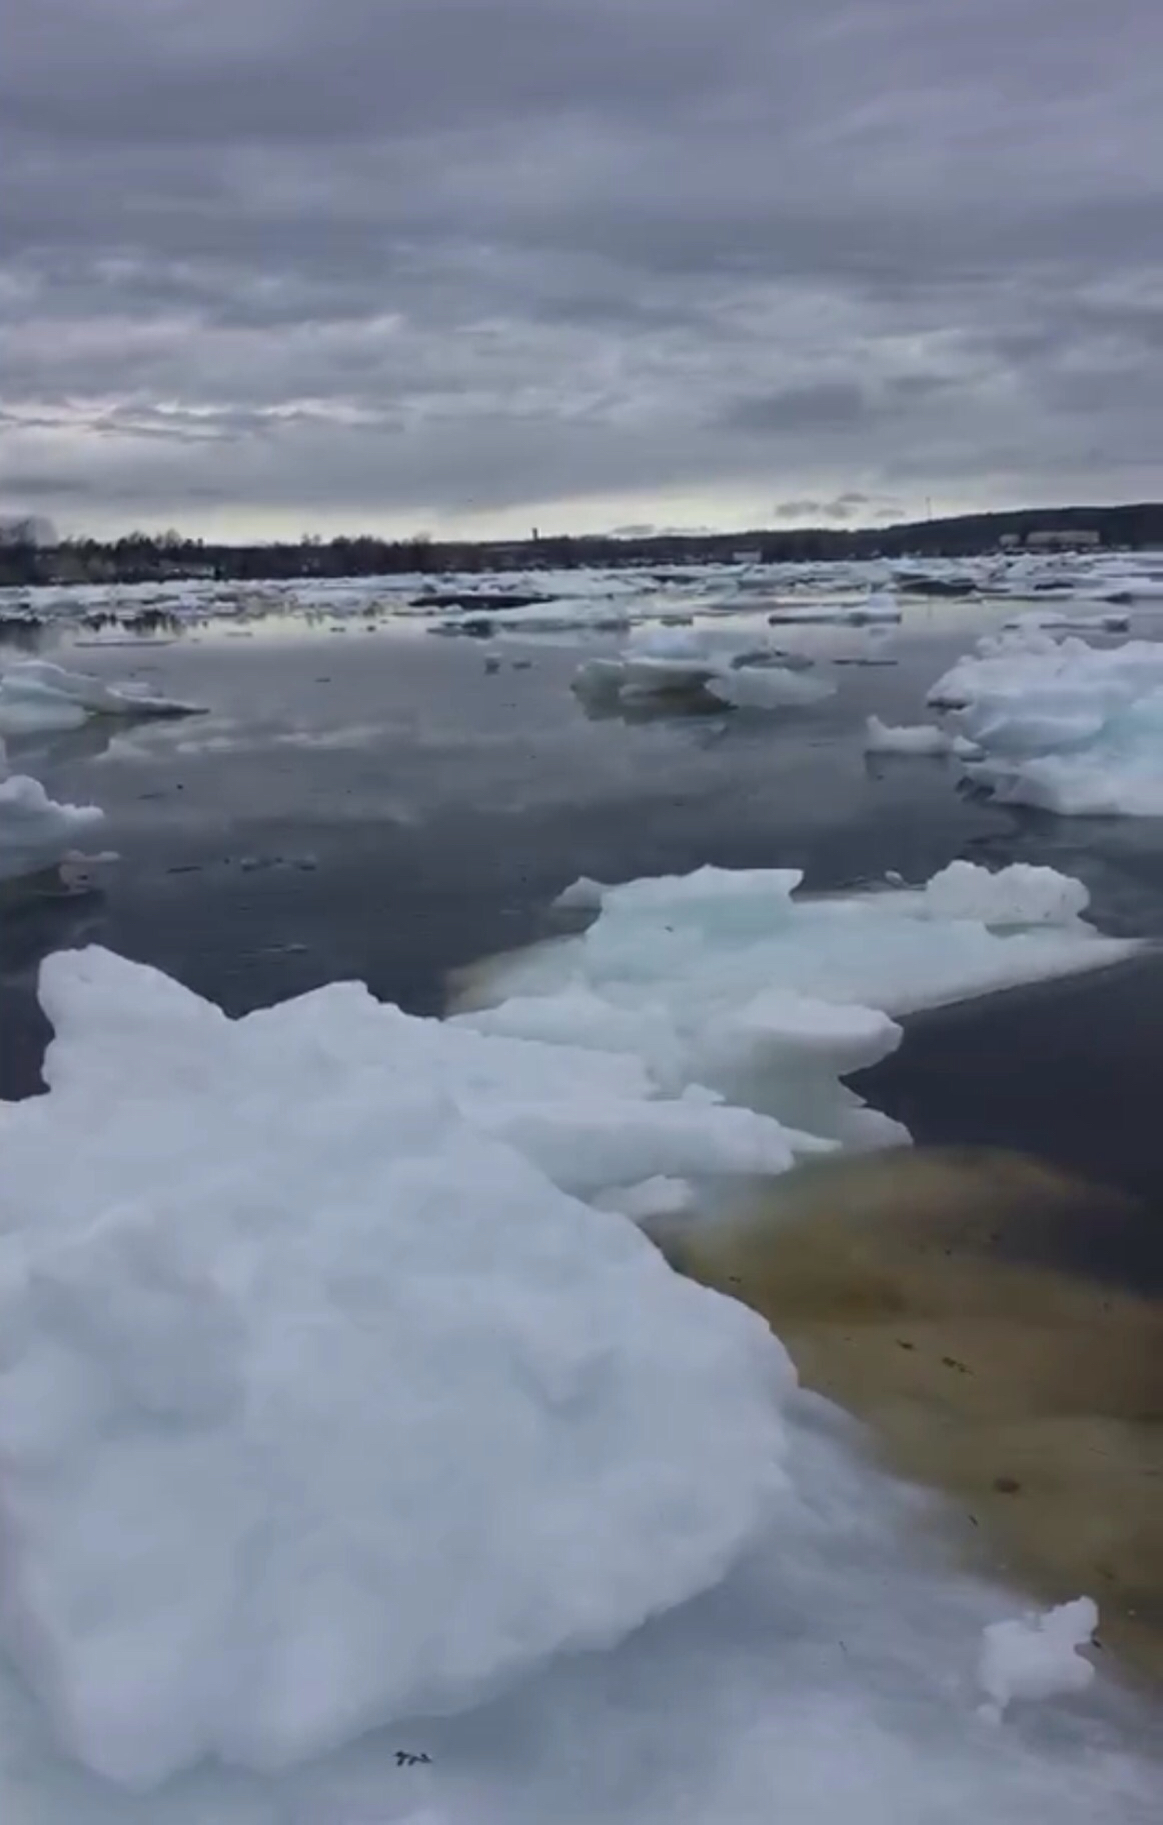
849, 506
31, 487
826, 405
279, 262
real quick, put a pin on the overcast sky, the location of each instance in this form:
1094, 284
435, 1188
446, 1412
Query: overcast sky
469, 265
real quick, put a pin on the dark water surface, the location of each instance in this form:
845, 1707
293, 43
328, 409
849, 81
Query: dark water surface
374, 803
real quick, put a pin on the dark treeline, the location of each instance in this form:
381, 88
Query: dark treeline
144, 558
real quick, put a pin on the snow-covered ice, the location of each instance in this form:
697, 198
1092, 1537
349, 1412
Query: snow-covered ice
1063, 725
729, 978
562, 615
1022, 896
322, 1412
37, 695
732, 664
879, 605
768, 687
332, 1427
924, 738
846, 590
1036, 1656
1122, 586
35, 831
1062, 620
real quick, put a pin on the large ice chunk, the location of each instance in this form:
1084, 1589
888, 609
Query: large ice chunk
730, 663
1063, 725
1021, 895
731, 979
321, 1407
36, 831
37, 695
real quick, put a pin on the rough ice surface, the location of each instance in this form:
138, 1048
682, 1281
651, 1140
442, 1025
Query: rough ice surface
728, 978
562, 615
583, 895
878, 605
1064, 620
36, 832
923, 738
321, 1410
1063, 725
730, 663
1022, 895
656, 1197
331, 1428
1036, 1656
1128, 586
1088, 585
37, 695
768, 687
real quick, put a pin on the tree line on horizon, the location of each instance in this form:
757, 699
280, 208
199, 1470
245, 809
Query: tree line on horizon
141, 557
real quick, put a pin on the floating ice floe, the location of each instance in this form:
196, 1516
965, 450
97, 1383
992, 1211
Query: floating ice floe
1037, 1656
728, 979
877, 606
1075, 577
561, 616
332, 1427
36, 695
1060, 620
1061, 724
925, 738
727, 663
1022, 896
1122, 586
768, 687
35, 831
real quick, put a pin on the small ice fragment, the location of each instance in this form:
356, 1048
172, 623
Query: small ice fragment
767, 687
583, 895
656, 1197
1036, 1656
924, 738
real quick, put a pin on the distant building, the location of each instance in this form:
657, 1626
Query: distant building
1009, 540
753, 555
1063, 538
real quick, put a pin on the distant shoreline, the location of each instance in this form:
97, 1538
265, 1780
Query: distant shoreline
30, 554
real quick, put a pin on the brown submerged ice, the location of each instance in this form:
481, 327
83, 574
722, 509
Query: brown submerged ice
952, 1298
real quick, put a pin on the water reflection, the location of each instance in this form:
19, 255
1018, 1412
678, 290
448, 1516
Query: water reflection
29, 753
22, 634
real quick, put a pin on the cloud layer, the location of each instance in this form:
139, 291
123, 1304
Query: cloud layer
466, 264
